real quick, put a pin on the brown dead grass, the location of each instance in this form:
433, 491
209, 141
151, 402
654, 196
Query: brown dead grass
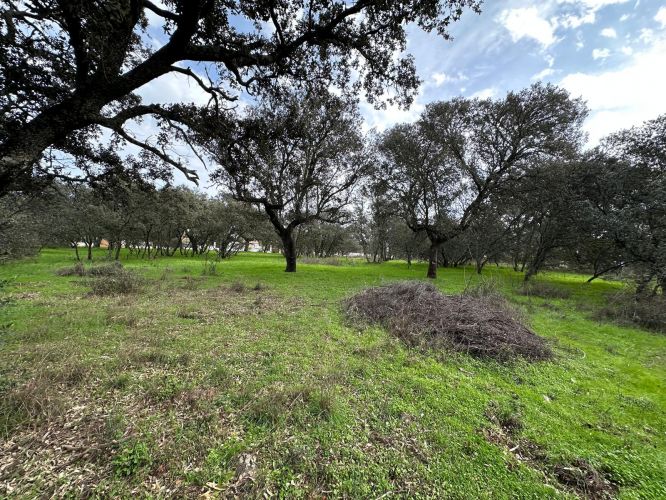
417, 313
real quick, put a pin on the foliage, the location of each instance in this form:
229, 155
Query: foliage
71, 70
298, 156
446, 168
133, 456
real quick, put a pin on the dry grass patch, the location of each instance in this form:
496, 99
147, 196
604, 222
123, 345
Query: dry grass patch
417, 313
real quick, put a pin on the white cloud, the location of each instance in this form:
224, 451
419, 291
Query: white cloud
627, 51
487, 93
543, 74
609, 33
580, 43
381, 119
174, 88
624, 17
661, 17
624, 97
647, 36
572, 21
594, 4
600, 53
528, 23
440, 79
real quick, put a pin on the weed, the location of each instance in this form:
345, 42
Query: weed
220, 375
507, 418
119, 382
237, 287
209, 268
164, 388
133, 456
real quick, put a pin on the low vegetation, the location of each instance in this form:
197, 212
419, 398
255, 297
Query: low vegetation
252, 382
420, 315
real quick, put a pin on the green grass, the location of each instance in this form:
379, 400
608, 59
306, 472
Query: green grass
196, 384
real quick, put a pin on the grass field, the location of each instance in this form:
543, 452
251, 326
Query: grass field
249, 382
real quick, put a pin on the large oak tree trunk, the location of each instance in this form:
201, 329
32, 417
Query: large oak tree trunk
289, 249
432, 260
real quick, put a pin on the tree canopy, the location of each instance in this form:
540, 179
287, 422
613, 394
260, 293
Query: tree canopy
70, 69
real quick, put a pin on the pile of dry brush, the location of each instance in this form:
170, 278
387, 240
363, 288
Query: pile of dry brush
483, 325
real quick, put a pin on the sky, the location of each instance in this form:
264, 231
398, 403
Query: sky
612, 53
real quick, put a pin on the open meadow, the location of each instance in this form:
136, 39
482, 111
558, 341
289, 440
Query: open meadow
236, 378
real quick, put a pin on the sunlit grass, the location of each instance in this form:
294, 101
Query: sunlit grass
197, 384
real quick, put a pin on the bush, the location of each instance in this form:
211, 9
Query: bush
418, 314
543, 290
77, 270
113, 269
648, 312
120, 282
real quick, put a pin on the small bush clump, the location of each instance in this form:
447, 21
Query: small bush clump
417, 313
77, 270
119, 283
113, 269
648, 312
543, 290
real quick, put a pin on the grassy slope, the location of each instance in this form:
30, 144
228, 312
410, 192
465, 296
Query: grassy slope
169, 390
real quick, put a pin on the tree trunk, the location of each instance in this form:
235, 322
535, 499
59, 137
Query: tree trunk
90, 251
117, 256
289, 249
76, 251
432, 260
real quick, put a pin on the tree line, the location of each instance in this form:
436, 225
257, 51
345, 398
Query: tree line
471, 181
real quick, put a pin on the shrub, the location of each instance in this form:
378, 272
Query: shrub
646, 311
543, 290
77, 270
420, 315
237, 286
113, 269
118, 283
